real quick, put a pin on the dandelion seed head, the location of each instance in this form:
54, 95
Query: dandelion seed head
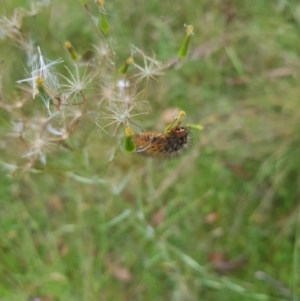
41, 73
151, 68
76, 83
107, 92
103, 51
38, 145
119, 114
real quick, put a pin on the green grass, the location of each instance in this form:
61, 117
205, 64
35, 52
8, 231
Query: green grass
83, 227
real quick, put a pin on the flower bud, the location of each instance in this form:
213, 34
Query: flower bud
129, 145
197, 127
176, 123
124, 68
184, 47
104, 24
72, 51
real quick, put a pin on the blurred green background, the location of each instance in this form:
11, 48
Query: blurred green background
221, 223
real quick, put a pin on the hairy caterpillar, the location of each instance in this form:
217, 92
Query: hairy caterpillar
162, 146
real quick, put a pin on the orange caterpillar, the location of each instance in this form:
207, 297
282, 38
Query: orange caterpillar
162, 146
